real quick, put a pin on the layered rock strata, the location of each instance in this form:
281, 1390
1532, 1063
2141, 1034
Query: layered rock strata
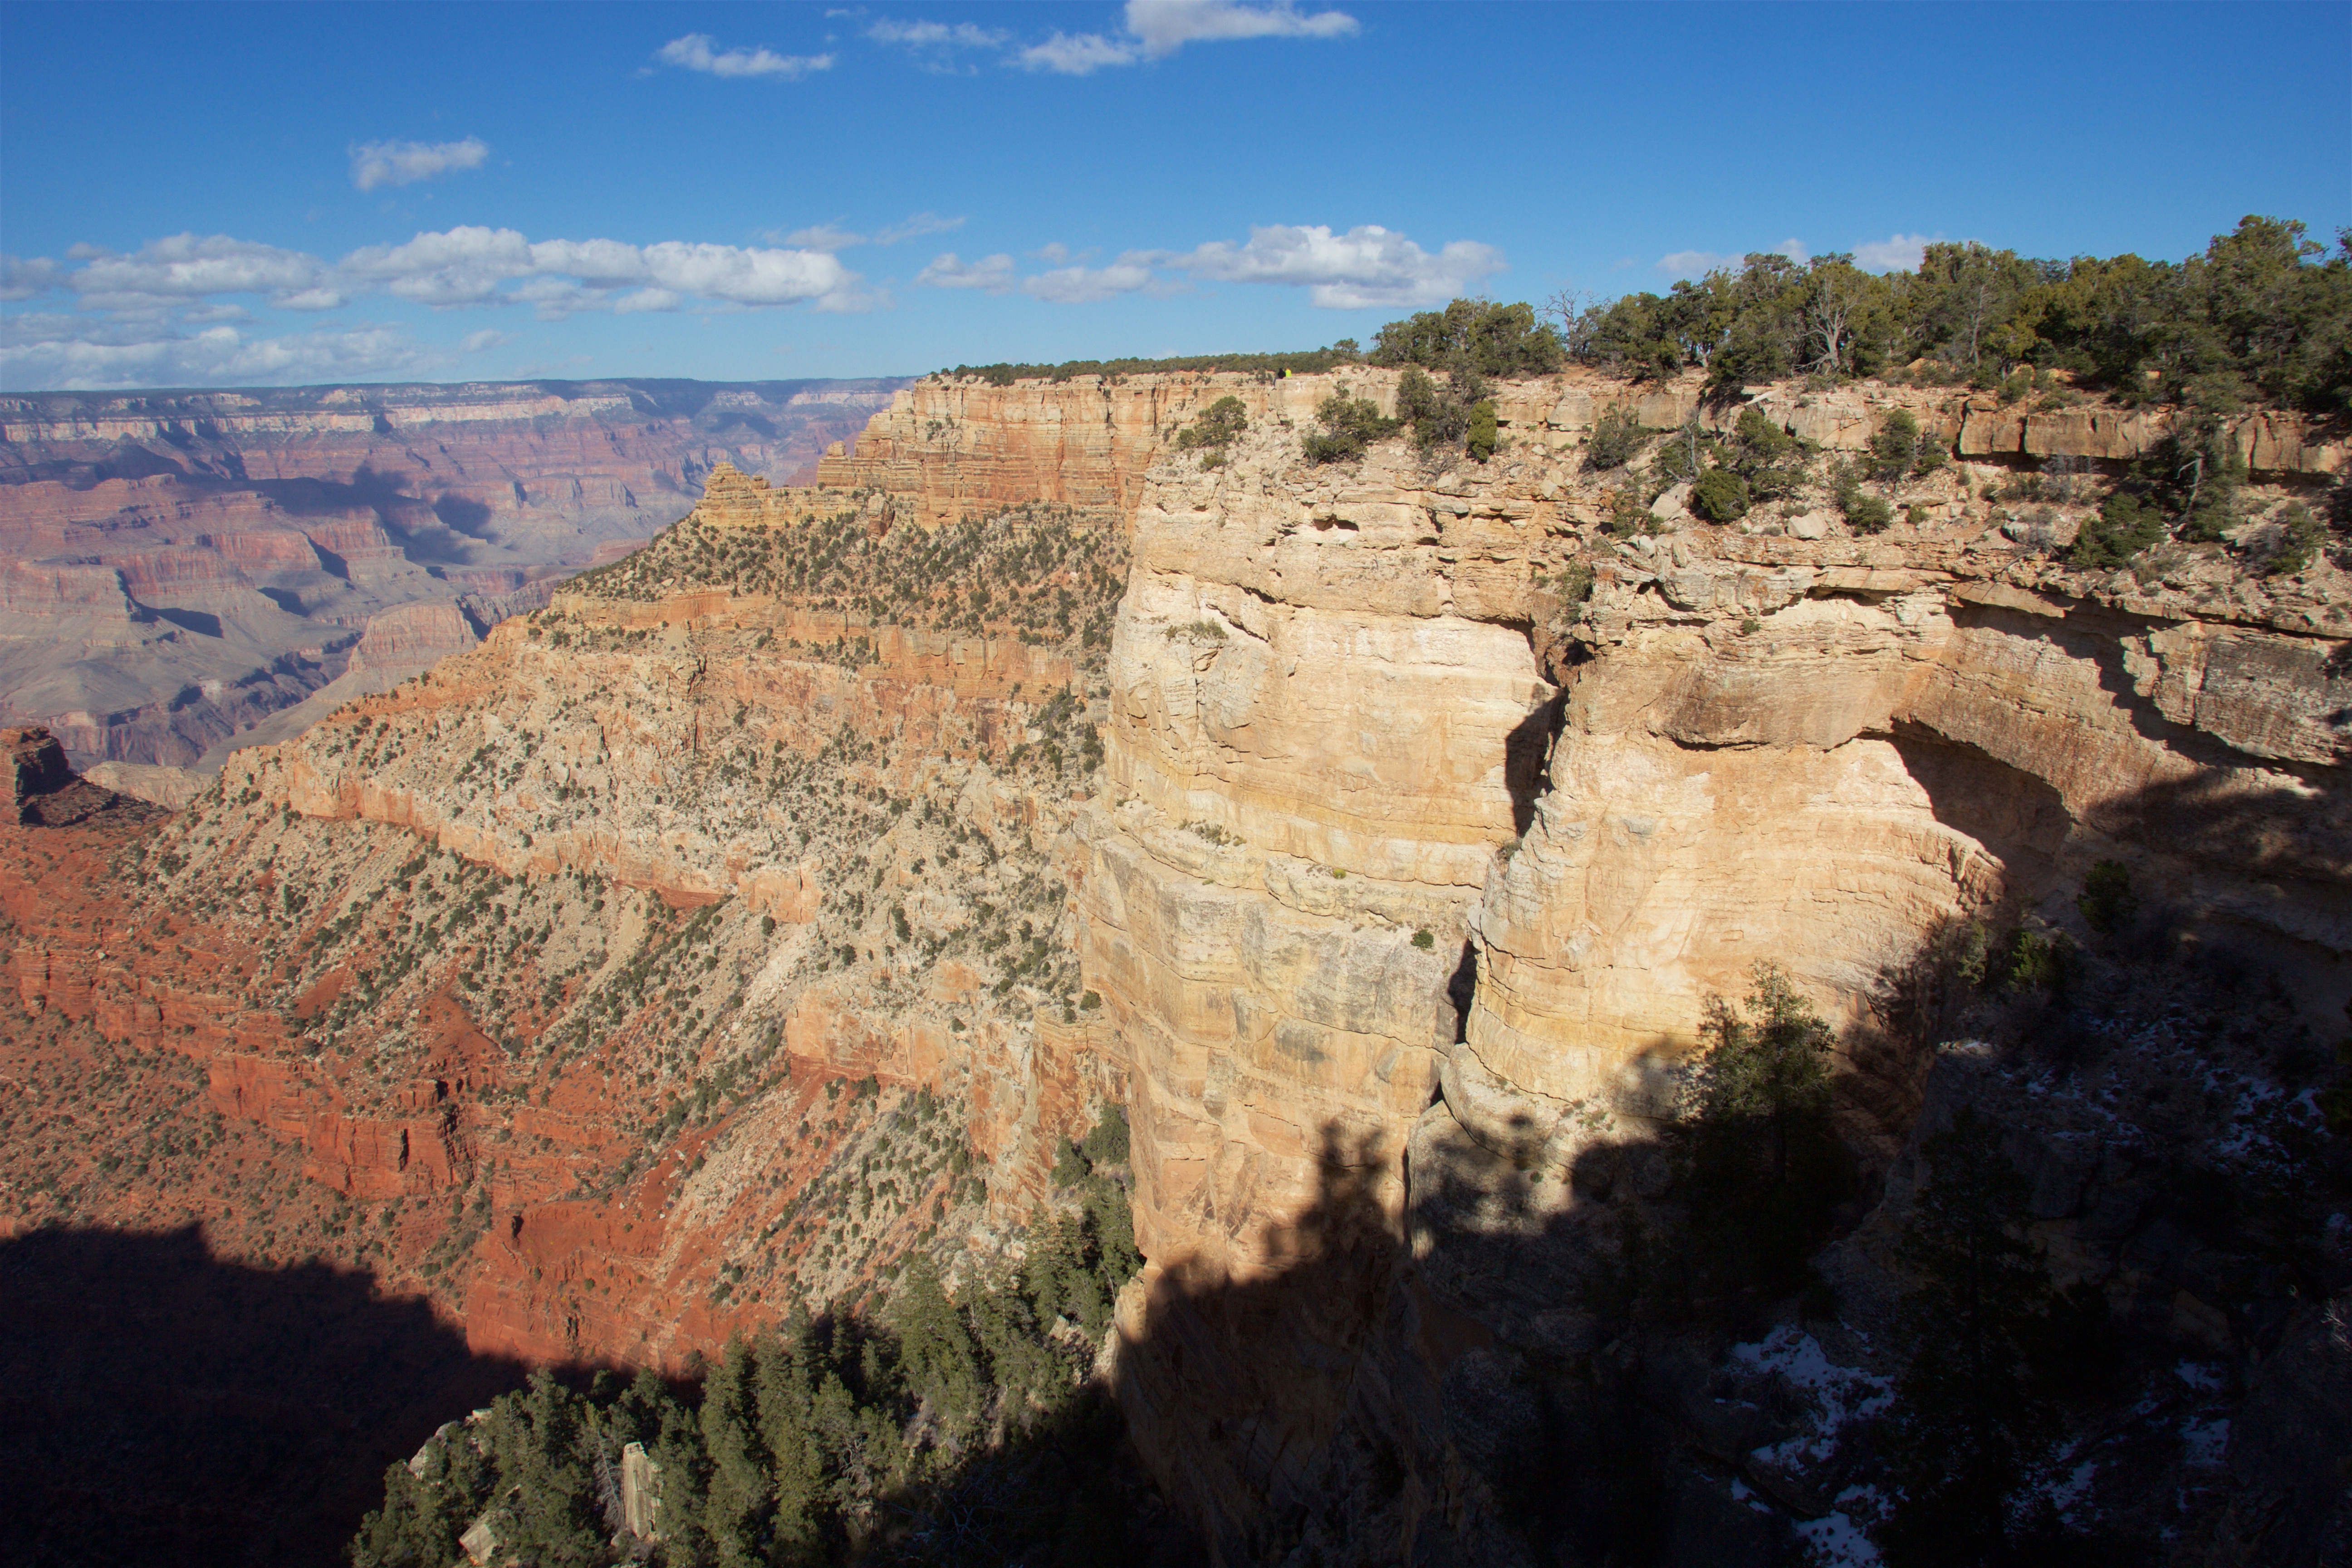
1390, 820
176, 568
653, 964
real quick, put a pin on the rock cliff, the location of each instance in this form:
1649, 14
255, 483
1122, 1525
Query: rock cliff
1390, 817
770, 905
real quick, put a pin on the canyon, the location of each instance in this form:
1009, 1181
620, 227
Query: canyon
181, 571
770, 905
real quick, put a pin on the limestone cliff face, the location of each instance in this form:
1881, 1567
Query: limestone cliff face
1400, 851
951, 446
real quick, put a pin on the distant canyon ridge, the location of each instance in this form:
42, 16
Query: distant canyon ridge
182, 573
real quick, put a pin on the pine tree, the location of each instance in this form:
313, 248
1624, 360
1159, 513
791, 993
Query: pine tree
1969, 1426
736, 1504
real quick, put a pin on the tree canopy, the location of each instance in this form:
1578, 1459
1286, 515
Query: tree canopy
2265, 311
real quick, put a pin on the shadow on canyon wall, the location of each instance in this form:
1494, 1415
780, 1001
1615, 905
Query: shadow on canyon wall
160, 1405
1344, 1406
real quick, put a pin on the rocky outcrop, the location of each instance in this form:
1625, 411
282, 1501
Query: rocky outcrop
1390, 821
412, 638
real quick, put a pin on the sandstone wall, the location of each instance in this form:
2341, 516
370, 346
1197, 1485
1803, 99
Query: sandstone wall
1350, 715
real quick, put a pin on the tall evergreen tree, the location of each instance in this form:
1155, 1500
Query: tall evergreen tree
1970, 1427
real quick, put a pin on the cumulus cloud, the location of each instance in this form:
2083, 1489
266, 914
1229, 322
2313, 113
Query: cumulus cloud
377, 163
1085, 285
215, 356
1080, 54
696, 52
990, 274
1367, 266
183, 278
1900, 253
1155, 29
467, 265
188, 267
1166, 26
488, 338
1699, 263
23, 278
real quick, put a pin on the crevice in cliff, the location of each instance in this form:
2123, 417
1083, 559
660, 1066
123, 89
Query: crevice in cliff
1526, 758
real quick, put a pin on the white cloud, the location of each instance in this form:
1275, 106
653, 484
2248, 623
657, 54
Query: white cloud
1086, 285
1699, 263
377, 163
187, 266
216, 356
1166, 26
1901, 253
487, 339
22, 279
1367, 266
1693, 263
915, 227
1080, 54
828, 236
1154, 29
465, 265
824, 237
693, 52
937, 34
990, 274
744, 276
647, 300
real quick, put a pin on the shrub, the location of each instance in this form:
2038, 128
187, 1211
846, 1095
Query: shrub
2108, 902
1482, 436
1771, 460
1867, 514
2302, 537
1629, 513
1617, 437
1900, 449
1217, 428
1350, 426
1720, 495
2126, 526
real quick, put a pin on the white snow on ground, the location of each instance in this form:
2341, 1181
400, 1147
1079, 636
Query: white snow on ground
1840, 1393
1835, 1539
2203, 1441
2067, 1495
2204, 1377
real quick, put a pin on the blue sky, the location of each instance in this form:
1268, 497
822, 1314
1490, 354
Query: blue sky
230, 195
